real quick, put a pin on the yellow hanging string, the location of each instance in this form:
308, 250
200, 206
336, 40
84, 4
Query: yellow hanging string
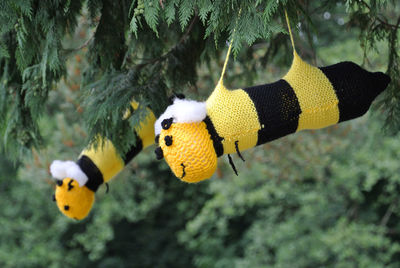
227, 58
229, 50
290, 33
233, 37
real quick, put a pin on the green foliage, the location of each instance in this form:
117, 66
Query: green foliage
375, 27
132, 53
307, 202
315, 199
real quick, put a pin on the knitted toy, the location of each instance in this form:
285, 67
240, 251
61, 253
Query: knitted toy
78, 181
192, 135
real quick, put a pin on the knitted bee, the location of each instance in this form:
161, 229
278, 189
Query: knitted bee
191, 135
77, 182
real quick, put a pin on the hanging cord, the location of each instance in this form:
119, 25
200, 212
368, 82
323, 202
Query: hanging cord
290, 32
229, 49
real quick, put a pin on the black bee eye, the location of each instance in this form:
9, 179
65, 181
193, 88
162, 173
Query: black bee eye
166, 123
59, 183
168, 140
159, 153
66, 207
157, 139
70, 186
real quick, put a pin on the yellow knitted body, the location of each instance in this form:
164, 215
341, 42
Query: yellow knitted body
315, 93
307, 97
107, 159
234, 117
145, 130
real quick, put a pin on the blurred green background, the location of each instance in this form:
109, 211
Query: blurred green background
326, 198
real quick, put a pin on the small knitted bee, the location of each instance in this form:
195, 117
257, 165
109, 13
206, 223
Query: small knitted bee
77, 182
191, 135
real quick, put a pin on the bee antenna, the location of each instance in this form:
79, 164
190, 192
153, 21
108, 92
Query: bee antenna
107, 188
232, 164
237, 150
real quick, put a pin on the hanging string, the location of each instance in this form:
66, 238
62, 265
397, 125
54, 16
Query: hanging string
290, 32
229, 48
233, 37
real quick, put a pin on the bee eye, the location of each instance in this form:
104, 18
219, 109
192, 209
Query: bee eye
66, 207
59, 183
159, 153
166, 123
168, 140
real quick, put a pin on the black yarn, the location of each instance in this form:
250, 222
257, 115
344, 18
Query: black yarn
134, 150
277, 108
168, 140
217, 140
92, 172
166, 123
70, 186
107, 188
237, 150
183, 170
232, 164
176, 95
355, 87
159, 153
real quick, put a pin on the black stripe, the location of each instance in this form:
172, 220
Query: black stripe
91, 170
355, 87
278, 110
134, 150
217, 140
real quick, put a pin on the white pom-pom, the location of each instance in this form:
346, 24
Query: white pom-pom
182, 111
68, 169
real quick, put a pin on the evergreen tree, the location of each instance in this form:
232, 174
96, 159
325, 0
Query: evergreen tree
327, 198
146, 50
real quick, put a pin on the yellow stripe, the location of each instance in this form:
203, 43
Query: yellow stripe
106, 159
234, 117
315, 93
145, 130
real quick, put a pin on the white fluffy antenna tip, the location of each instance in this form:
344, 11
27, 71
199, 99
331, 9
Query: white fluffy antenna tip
182, 111
68, 169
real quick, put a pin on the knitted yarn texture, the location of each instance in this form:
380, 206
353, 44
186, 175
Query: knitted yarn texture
307, 97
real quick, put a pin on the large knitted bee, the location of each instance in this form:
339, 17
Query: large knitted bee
77, 182
191, 135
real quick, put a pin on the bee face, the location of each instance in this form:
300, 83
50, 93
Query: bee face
72, 200
188, 150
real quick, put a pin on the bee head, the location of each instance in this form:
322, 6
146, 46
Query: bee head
72, 200
188, 150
